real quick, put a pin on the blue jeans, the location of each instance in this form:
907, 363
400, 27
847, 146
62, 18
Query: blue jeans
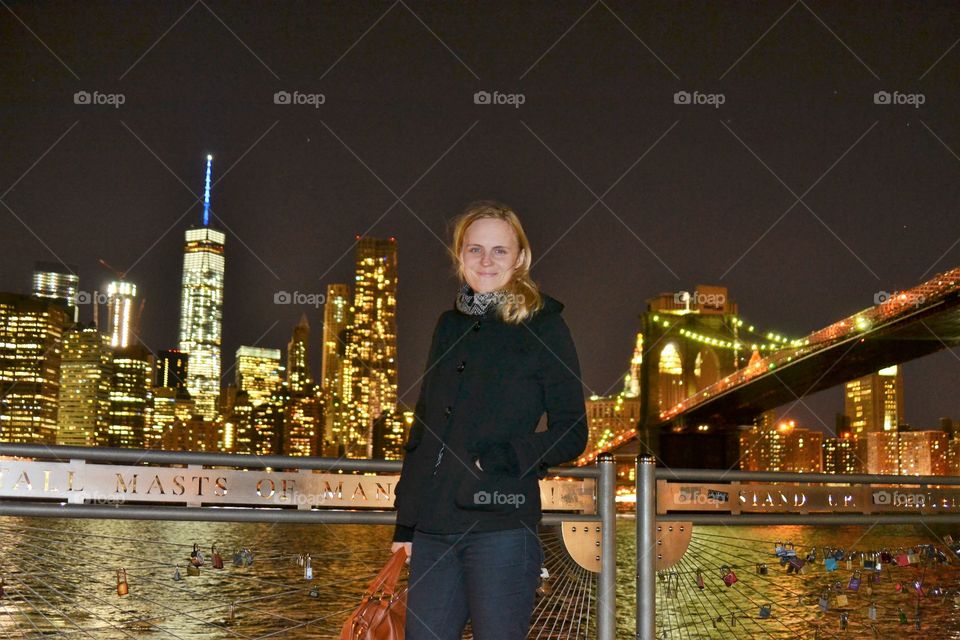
489, 577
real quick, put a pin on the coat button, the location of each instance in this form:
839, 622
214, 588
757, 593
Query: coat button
448, 411
461, 366
476, 326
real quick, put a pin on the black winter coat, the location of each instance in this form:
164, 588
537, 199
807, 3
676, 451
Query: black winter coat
486, 386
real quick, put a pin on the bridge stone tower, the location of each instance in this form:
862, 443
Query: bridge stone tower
690, 341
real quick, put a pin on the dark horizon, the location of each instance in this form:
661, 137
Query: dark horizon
804, 191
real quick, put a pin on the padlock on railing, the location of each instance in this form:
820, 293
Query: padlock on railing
918, 587
308, 569
544, 588
898, 587
796, 565
176, 574
901, 615
765, 611
314, 591
830, 564
2, 584
215, 555
122, 587
699, 579
842, 600
872, 611
728, 576
193, 570
247, 557
824, 602
196, 556
762, 569
854, 584
844, 620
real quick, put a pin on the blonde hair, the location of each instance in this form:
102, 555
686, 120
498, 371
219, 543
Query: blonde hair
522, 295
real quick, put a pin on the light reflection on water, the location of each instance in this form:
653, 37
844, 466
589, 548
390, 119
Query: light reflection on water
61, 581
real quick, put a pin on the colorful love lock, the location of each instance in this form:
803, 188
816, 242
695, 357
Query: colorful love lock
901, 615
122, 587
886, 557
849, 564
869, 563
872, 611
844, 620
193, 570
765, 611
824, 603
842, 600
196, 556
176, 574
308, 569
217, 558
314, 591
830, 564
729, 577
699, 579
898, 587
762, 569
854, 584
918, 587
796, 564
876, 577
237, 558
903, 560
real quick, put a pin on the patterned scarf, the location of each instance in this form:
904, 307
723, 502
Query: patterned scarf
476, 304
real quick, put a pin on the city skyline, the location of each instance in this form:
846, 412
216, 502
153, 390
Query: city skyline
690, 193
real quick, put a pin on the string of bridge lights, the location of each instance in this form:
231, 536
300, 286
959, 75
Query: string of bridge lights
772, 341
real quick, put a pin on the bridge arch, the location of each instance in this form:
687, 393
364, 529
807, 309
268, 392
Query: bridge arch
670, 369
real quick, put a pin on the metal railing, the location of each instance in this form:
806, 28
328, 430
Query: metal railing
604, 472
647, 475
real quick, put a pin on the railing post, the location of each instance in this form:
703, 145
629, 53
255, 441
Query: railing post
646, 491
607, 587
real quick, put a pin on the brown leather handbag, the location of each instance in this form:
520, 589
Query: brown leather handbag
383, 610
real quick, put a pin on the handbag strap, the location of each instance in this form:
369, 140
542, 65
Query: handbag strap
389, 574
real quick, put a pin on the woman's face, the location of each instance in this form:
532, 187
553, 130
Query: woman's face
490, 254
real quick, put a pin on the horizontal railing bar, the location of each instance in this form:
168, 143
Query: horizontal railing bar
247, 461
829, 519
219, 514
719, 475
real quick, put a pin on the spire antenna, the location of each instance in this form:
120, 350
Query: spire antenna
206, 192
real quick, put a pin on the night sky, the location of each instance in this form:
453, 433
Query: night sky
799, 193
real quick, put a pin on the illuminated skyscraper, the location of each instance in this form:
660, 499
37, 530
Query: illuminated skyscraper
31, 343
875, 402
57, 282
609, 417
130, 397
783, 448
336, 325
924, 453
299, 378
370, 366
258, 373
86, 372
120, 303
201, 308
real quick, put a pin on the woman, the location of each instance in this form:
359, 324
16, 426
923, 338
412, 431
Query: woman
468, 497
